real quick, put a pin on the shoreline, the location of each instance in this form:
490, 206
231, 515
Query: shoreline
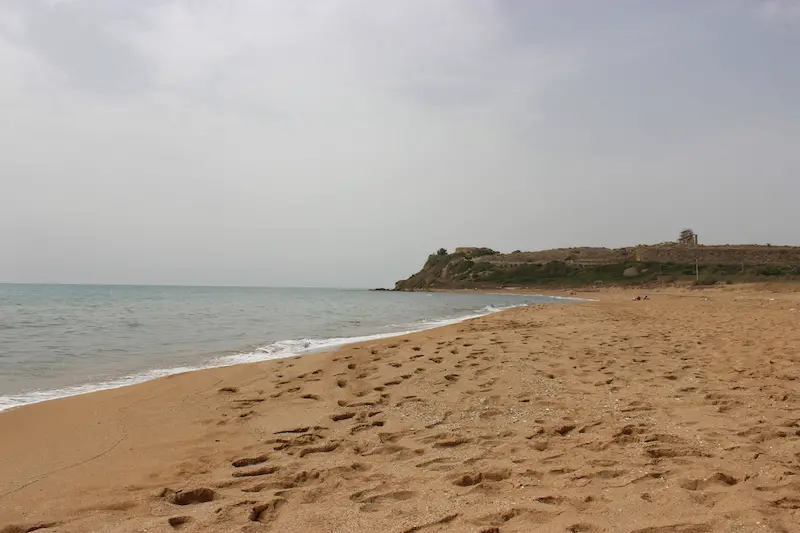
613, 415
232, 359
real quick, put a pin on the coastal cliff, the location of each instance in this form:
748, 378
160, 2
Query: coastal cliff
585, 266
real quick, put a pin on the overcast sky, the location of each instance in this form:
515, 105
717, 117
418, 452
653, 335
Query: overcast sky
337, 143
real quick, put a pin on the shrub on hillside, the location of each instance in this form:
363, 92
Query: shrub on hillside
707, 279
478, 252
482, 267
462, 266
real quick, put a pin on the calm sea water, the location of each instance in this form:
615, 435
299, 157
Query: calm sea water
61, 340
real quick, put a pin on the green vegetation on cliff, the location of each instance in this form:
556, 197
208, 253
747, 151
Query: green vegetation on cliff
488, 269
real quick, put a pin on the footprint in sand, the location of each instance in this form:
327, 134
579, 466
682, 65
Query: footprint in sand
720, 478
15, 528
319, 449
451, 443
372, 501
363, 427
468, 480
264, 471
249, 461
266, 512
516, 514
246, 403
179, 521
189, 497
581, 528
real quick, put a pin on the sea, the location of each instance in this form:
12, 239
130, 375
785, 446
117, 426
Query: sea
63, 340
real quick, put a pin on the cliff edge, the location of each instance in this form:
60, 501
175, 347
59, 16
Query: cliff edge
586, 266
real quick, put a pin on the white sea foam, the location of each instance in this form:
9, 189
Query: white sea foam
276, 350
27, 398
573, 299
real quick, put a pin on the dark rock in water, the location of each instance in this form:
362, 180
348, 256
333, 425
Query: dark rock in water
380, 289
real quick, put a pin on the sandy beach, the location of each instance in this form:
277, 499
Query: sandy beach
678, 414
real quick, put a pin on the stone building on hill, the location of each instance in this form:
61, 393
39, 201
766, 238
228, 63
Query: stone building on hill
687, 237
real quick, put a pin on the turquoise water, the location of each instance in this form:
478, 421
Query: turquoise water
60, 340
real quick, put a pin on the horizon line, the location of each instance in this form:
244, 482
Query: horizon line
56, 283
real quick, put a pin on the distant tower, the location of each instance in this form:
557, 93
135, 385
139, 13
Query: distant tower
687, 237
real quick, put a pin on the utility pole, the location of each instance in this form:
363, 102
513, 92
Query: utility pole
696, 268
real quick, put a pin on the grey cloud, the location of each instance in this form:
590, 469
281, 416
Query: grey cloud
78, 39
781, 11
337, 143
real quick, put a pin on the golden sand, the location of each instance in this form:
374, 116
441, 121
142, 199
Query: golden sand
678, 414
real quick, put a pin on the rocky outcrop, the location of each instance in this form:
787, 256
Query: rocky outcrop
631, 272
438, 271
749, 254
482, 267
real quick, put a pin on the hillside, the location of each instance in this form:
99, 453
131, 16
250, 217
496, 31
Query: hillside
576, 267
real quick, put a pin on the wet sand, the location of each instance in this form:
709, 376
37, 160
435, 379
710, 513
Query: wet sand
678, 414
